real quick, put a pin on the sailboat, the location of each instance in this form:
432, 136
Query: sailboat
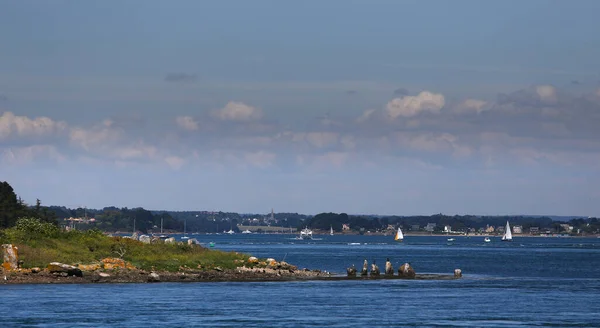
331, 230
507, 233
185, 230
399, 236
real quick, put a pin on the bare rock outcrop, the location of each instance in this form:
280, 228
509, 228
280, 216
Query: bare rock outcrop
153, 277
10, 257
111, 263
66, 269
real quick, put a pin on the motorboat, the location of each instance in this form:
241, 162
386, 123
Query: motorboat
306, 233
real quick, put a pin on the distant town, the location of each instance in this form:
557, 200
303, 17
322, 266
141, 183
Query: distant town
123, 220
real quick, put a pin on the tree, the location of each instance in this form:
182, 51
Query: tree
11, 207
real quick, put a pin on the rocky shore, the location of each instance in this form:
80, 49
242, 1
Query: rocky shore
117, 270
238, 275
141, 276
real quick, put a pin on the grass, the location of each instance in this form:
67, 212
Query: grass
40, 246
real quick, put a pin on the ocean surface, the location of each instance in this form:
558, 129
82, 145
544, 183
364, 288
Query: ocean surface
529, 282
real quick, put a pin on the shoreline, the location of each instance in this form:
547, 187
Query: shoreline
409, 234
26, 277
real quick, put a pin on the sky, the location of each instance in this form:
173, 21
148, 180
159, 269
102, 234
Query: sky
364, 107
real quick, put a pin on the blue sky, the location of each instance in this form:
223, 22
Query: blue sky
389, 107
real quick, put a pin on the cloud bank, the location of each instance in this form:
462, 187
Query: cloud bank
538, 125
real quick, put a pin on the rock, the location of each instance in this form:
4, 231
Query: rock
374, 269
103, 275
112, 263
457, 273
145, 239
406, 271
64, 269
365, 269
193, 241
389, 270
351, 271
286, 266
89, 267
35, 270
11, 257
271, 262
252, 259
153, 277
170, 240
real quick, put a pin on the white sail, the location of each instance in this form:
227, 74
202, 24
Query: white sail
507, 232
331, 230
399, 235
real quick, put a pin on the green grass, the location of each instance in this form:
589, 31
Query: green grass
40, 246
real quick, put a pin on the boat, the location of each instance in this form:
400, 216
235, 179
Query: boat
487, 239
450, 239
246, 231
399, 236
185, 237
306, 233
331, 230
231, 232
507, 233
211, 244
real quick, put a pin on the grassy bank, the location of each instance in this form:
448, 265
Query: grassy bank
41, 243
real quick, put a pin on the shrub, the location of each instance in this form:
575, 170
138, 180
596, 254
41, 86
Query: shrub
33, 227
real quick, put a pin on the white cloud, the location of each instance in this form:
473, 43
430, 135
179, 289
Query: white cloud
261, 159
29, 154
333, 159
547, 93
111, 142
429, 142
175, 162
322, 139
472, 105
187, 123
100, 135
366, 115
409, 106
23, 126
133, 152
237, 111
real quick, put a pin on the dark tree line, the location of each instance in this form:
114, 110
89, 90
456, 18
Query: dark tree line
123, 219
12, 208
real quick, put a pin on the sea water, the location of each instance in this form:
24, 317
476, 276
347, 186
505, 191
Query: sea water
528, 282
